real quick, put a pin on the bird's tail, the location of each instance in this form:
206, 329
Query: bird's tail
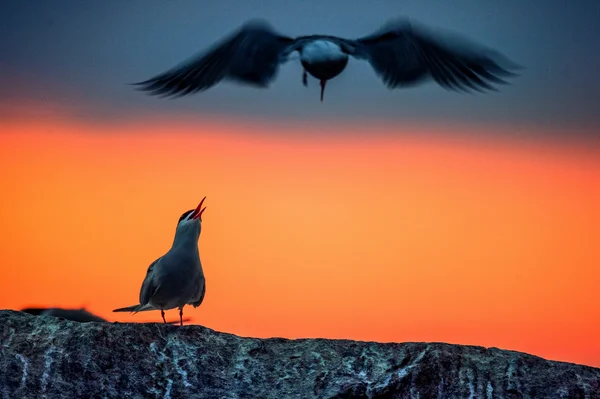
135, 308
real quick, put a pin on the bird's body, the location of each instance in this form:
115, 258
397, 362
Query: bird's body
323, 58
171, 273
401, 53
175, 279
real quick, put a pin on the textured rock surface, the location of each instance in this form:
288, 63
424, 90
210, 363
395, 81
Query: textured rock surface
54, 358
81, 315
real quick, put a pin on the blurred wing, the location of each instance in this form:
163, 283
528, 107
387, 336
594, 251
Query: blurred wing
403, 55
252, 55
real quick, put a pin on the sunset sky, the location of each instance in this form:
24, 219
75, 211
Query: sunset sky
415, 215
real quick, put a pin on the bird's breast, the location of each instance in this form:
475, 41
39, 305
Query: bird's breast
321, 51
323, 59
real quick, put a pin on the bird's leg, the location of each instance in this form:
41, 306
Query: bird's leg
180, 316
162, 313
305, 79
323, 83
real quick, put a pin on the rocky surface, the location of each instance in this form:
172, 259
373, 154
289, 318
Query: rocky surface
81, 315
48, 357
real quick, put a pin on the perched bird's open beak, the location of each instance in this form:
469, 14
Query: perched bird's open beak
197, 214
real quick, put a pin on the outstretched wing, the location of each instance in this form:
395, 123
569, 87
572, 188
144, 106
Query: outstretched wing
403, 54
251, 55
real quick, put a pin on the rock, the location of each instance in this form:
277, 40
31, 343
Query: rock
48, 357
81, 315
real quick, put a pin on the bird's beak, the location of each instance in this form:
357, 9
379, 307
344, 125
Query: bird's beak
197, 214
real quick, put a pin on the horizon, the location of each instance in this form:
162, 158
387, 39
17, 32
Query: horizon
414, 215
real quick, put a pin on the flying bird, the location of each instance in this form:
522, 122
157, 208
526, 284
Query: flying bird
175, 279
401, 53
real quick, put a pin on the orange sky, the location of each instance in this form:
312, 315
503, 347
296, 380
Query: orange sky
373, 237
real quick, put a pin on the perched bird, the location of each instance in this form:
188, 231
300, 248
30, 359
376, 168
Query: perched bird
401, 53
175, 279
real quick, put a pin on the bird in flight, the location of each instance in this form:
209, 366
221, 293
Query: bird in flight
175, 279
402, 53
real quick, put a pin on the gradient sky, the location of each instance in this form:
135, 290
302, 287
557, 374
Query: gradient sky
84, 53
412, 215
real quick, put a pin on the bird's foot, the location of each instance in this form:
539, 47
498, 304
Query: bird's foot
305, 79
162, 313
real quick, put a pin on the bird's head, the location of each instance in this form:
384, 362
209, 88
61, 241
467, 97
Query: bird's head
191, 221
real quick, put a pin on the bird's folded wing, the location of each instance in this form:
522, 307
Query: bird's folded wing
404, 54
149, 286
201, 294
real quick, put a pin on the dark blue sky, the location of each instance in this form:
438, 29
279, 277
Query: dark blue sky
82, 53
